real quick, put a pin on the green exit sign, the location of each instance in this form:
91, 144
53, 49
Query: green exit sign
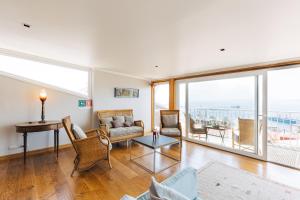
81, 103
85, 103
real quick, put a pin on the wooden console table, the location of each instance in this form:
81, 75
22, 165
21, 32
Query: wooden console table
30, 127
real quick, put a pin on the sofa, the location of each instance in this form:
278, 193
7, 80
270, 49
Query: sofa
124, 133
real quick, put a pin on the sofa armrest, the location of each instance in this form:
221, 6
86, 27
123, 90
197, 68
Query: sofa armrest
139, 123
105, 129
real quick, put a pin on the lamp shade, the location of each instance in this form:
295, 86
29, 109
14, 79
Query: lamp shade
43, 95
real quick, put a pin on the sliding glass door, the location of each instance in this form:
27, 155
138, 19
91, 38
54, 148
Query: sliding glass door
284, 117
226, 111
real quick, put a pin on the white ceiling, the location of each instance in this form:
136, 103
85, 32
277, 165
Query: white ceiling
132, 36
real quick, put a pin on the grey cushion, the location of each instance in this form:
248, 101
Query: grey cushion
119, 118
115, 132
128, 124
159, 191
129, 120
106, 120
170, 121
117, 124
170, 131
78, 132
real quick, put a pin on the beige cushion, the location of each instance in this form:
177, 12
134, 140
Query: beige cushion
170, 121
170, 131
119, 118
106, 120
117, 123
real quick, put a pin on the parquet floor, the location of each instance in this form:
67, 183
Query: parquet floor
45, 178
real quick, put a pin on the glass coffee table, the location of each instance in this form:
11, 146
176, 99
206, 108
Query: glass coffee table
154, 145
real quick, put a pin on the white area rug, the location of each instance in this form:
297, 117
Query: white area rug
217, 181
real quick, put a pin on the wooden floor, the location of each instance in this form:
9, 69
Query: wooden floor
45, 178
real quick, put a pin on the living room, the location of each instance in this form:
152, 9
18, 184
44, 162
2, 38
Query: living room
149, 100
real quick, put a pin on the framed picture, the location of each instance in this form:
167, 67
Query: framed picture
126, 93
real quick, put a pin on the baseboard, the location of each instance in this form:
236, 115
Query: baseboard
34, 152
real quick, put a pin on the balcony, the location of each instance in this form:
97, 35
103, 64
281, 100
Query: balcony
283, 138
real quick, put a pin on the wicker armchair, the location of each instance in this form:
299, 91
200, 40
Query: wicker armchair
169, 124
89, 150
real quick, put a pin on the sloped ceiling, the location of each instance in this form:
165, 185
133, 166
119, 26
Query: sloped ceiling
133, 36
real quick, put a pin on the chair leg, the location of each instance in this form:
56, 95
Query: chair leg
108, 159
76, 162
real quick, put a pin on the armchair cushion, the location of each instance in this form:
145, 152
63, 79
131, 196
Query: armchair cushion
106, 120
170, 121
78, 132
170, 131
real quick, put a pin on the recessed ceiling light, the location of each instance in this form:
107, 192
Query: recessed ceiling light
222, 49
26, 25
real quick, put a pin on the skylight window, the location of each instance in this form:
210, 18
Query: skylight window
73, 80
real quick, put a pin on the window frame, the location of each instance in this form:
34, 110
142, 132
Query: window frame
46, 85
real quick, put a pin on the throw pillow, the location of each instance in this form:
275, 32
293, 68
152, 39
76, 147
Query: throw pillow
107, 121
185, 183
129, 119
119, 118
170, 121
78, 132
159, 191
127, 197
117, 124
128, 124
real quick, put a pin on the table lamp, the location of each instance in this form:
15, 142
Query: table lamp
43, 97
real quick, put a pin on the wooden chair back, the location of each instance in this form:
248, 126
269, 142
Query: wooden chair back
246, 131
68, 127
168, 112
111, 113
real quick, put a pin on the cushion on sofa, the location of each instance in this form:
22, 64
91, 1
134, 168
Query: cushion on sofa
119, 118
128, 124
159, 191
170, 131
184, 182
129, 119
170, 121
106, 120
117, 124
121, 131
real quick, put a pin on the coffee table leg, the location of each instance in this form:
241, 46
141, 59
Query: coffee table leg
54, 140
25, 145
154, 160
57, 142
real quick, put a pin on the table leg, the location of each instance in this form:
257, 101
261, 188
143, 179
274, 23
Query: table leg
25, 145
57, 142
154, 161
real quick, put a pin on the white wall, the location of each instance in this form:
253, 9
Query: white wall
19, 102
103, 96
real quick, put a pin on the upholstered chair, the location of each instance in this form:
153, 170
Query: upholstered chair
169, 124
89, 150
197, 129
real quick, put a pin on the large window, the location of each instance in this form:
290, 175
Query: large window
284, 117
70, 79
225, 110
